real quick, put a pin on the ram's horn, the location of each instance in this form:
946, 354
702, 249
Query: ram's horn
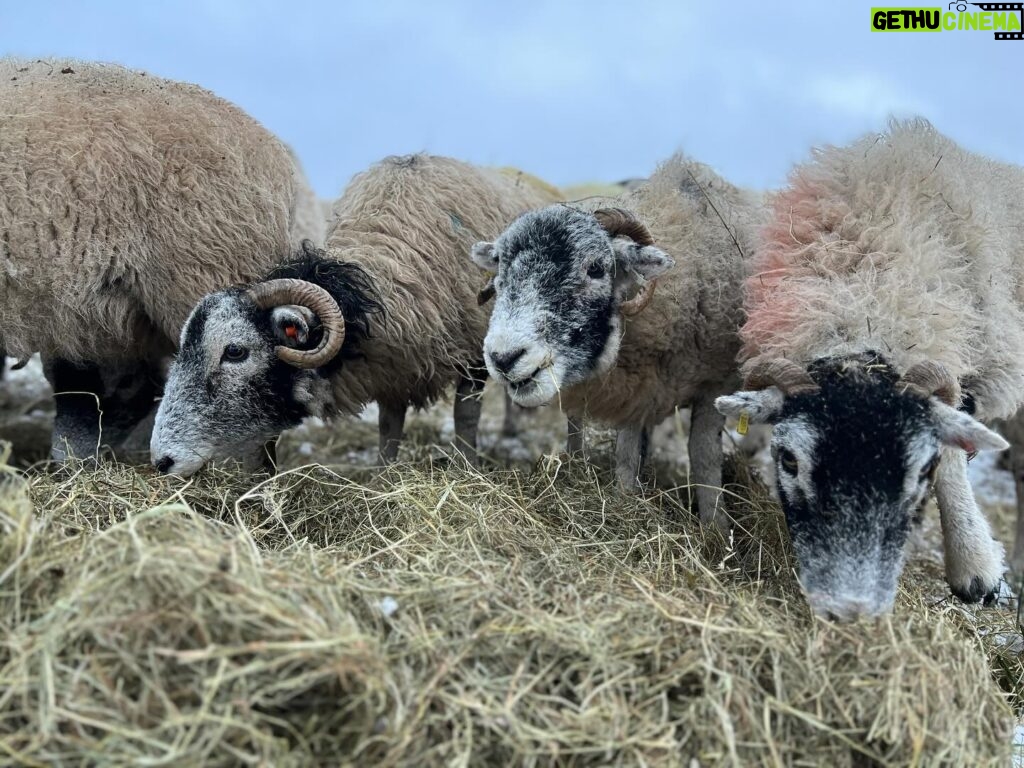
791, 378
619, 222
639, 303
930, 378
277, 293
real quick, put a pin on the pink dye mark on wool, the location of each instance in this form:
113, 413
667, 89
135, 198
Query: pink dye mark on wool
774, 303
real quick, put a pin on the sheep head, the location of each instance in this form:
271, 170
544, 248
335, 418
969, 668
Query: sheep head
856, 447
564, 279
255, 361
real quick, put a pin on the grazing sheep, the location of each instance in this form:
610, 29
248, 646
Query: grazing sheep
886, 295
564, 328
388, 313
126, 198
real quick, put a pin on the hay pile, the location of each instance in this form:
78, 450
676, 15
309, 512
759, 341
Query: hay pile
439, 617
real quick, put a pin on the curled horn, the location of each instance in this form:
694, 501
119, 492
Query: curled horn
791, 378
639, 303
930, 378
618, 222
276, 293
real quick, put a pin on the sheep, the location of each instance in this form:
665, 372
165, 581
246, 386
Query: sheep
126, 197
387, 313
885, 296
565, 329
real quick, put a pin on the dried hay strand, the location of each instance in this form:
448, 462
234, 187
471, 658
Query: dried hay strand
443, 617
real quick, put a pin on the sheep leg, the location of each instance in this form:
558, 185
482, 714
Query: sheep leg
705, 449
574, 442
467, 414
390, 425
96, 406
631, 446
3, 362
974, 559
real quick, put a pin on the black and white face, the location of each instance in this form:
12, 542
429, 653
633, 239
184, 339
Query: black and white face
228, 393
854, 464
559, 283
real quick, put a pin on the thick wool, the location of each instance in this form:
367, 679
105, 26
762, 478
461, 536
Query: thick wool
905, 244
124, 198
685, 342
410, 222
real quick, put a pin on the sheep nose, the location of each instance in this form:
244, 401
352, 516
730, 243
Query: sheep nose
505, 360
845, 610
164, 465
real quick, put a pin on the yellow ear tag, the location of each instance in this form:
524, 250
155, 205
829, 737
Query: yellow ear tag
743, 423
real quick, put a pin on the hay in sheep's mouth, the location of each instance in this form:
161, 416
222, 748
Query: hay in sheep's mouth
440, 617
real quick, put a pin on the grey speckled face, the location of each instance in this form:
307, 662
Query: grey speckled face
228, 393
559, 283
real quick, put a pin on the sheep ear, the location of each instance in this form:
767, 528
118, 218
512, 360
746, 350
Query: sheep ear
960, 430
645, 260
761, 406
482, 254
292, 325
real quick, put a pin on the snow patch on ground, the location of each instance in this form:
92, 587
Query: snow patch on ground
991, 484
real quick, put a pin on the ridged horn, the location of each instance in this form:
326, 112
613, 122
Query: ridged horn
929, 378
277, 293
618, 222
639, 302
791, 378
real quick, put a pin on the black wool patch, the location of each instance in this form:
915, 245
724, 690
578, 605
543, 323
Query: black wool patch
864, 422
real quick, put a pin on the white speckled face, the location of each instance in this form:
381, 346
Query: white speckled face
559, 283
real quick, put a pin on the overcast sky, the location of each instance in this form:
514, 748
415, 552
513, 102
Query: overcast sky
571, 91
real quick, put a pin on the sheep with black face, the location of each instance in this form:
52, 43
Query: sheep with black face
885, 298
388, 313
593, 311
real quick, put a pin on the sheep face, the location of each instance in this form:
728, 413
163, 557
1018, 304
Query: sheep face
559, 283
854, 464
228, 393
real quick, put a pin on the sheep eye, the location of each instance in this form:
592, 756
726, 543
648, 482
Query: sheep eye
595, 271
788, 461
928, 471
235, 353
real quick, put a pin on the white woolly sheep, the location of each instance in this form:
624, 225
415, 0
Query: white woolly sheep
564, 328
886, 294
125, 198
388, 313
